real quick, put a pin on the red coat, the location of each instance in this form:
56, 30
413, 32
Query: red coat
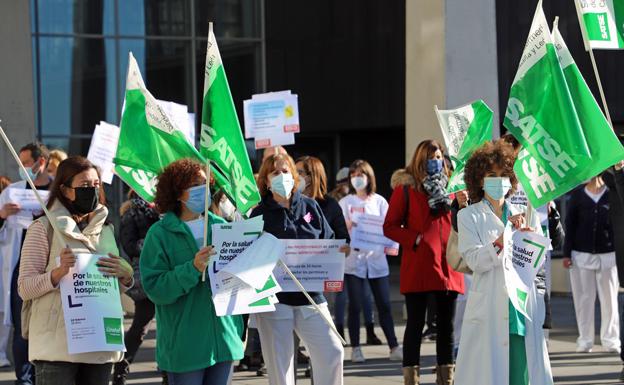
423, 267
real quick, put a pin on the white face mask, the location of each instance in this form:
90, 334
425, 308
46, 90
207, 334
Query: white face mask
283, 184
359, 182
227, 209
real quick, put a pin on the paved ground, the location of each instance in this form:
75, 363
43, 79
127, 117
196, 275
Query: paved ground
568, 367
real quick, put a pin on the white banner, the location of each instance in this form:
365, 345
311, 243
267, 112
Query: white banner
29, 206
103, 148
316, 263
368, 235
92, 308
524, 255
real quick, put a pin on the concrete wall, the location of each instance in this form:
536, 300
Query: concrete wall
16, 80
451, 59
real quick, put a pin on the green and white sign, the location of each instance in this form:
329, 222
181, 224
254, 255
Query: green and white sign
523, 256
464, 130
92, 308
602, 23
221, 138
542, 114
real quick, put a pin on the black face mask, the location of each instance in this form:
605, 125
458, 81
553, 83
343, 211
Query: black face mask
86, 201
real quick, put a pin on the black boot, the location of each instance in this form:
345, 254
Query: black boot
371, 338
120, 372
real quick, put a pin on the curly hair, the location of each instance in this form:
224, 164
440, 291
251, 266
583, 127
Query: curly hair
173, 181
492, 154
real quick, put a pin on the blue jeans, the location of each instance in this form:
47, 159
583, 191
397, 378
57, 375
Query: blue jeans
381, 292
217, 374
24, 370
340, 303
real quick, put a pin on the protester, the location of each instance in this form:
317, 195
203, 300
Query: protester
313, 184
74, 205
498, 345
222, 206
589, 253
4, 182
341, 189
363, 266
419, 219
193, 345
56, 157
137, 216
270, 151
288, 214
34, 157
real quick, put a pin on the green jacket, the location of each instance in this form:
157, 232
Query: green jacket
190, 336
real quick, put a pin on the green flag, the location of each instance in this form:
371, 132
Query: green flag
464, 129
604, 146
602, 23
148, 139
541, 115
221, 138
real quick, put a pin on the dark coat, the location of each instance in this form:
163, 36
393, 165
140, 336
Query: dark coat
588, 224
335, 218
615, 181
303, 220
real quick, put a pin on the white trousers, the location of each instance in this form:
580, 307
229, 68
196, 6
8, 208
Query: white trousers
584, 283
276, 335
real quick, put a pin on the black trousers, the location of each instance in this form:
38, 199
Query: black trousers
416, 304
144, 312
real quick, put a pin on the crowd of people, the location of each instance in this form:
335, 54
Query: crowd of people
451, 269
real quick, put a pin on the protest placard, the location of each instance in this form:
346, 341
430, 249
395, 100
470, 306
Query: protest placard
271, 118
92, 308
29, 206
102, 149
317, 263
524, 254
368, 235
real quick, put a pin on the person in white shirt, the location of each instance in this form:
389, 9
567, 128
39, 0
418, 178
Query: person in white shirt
363, 265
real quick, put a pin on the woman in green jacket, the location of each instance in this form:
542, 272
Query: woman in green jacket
193, 345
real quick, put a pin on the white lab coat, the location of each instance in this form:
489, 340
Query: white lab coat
483, 356
10, 244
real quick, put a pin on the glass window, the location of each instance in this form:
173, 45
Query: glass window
165, 66
155, 17
232, 18
76, 16
75, 76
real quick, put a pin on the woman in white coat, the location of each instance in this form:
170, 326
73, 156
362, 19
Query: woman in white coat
498, 345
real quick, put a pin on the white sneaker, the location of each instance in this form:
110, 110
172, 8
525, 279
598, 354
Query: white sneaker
613, 350
357, 355
396, 353
4, 362
583, 349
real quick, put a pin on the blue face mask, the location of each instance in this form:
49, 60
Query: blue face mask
435, 166
496, 187
30, 173
197, 199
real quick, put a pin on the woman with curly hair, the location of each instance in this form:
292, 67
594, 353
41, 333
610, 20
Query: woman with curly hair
194, 346
419, 218
498, 344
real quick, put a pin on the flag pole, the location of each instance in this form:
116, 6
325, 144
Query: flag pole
30, 182
589, 48
206, 210
327, 320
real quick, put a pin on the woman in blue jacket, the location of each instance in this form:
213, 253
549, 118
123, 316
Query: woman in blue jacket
288, 214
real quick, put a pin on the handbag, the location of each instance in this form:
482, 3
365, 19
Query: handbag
453, 257
27, 305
